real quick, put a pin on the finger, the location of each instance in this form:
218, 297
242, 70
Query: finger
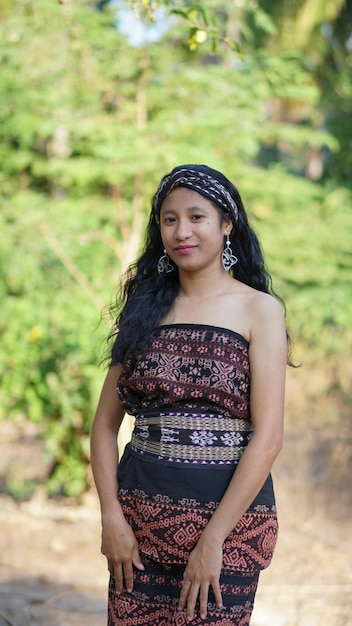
191, 602
118, 578
203, 601
217, 594
183, 595
128, 575
136, 560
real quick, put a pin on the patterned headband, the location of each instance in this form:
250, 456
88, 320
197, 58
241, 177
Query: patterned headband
200, 182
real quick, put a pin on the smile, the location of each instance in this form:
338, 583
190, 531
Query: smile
184, 249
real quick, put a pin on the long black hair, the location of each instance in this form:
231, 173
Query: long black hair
145, 297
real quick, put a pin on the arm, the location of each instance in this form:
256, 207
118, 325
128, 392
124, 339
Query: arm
267, 355
119, 544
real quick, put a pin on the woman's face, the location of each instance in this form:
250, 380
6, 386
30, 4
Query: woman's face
192, 230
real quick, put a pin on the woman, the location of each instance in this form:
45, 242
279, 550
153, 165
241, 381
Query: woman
199, 358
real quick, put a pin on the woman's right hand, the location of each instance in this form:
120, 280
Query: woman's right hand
120, 547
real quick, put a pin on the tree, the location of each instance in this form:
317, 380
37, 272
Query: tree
88, 126
319, 34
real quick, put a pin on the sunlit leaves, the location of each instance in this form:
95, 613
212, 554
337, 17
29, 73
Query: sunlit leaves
89, 124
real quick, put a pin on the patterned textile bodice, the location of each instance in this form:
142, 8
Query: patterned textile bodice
199, 367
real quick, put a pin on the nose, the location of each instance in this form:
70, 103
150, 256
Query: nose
183, 230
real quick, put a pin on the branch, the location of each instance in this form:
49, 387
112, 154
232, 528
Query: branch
71, 266
5, 619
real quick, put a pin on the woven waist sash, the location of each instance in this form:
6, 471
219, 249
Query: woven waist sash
191, 437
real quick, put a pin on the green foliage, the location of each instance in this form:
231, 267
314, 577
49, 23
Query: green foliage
306, 232
88, 126
50, 331
21, 489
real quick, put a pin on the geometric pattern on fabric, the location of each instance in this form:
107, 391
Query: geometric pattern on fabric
155, 595
167, 530
197, 180
197, 367
191, 437
190, 379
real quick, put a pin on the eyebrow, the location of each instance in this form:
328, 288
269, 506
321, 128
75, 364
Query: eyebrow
190, 208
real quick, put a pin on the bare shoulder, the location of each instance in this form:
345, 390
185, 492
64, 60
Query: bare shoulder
268, 342
266, 315
250, 312
265, 304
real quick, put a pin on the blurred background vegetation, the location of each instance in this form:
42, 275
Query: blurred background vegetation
98, 101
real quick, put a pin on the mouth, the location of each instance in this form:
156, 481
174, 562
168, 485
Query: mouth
184, 249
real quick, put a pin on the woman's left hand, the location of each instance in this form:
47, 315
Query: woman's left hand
202, 571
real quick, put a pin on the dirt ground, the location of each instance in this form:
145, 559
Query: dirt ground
52, 572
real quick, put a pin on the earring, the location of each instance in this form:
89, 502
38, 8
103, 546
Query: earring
164, 264
227, 257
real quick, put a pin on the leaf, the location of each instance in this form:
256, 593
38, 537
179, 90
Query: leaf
180, 13
264, 22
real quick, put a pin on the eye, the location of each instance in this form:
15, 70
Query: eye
168, 220
196, 217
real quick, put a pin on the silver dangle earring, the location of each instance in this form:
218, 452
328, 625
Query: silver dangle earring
227, 257
164, 264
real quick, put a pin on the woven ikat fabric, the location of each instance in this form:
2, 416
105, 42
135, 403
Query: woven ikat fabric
168, 530
155, 597
195, 377
191, 367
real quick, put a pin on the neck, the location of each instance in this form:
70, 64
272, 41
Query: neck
203, 284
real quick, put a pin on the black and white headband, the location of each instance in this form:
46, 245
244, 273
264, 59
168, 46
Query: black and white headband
199, 181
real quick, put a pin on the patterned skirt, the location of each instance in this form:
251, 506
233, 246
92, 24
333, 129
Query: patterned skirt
156, 592
168, 494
